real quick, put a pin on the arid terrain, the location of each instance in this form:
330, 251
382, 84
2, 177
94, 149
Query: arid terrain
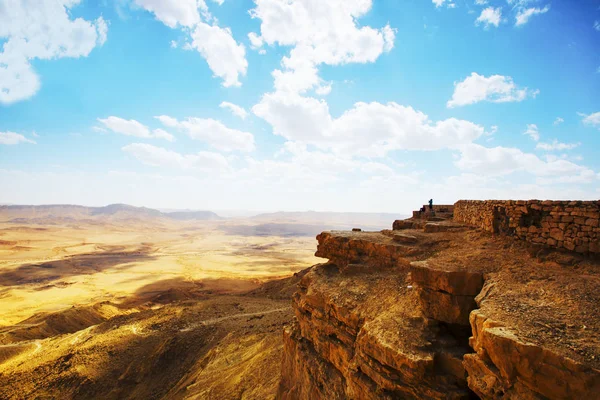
126, 303
132, 303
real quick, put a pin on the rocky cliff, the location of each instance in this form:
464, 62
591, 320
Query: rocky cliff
438, 310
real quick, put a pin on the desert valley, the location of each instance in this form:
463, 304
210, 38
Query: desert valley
121, 301
125, 302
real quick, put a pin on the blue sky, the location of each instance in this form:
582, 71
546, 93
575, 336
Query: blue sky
351, 105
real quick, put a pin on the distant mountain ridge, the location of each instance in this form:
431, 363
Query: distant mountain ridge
71, 212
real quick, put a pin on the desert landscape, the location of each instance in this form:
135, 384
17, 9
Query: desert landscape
299, 200
129, 302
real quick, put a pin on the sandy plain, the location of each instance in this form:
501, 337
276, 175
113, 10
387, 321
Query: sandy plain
46, 268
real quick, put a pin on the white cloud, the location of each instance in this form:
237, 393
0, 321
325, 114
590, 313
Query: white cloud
224, 56
212, 132
523, 15
11, 138
235, 109
370, 129
533, 132
133, 128
99, 129
597, 25
556, 145
160, 157
323, 89
256, 41
162, 134
439, 3
489, 16
498, 161
45, 31
591, 119
496, 89
480, 2
558, 121
102, 27
174, 12
167, 121
320, 32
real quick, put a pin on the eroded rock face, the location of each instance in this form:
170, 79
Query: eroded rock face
447, 292
366, 325
375, 347
506, 366
409, 314
373, 249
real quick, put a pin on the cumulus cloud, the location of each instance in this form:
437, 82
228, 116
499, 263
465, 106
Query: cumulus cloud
495, 89
134, 128
212, 132
366, 129
556, 145
591, 119
498, 161
162, 134
523, 15
161, 157
235, 109
11, 138
489, 16
174, 12
44, 31
558, 121
319, 32
225, 57
256, 41
533, 132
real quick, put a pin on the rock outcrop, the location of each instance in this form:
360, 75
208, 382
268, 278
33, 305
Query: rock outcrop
449, 313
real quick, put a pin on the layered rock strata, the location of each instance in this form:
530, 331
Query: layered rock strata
360, 331
421, 314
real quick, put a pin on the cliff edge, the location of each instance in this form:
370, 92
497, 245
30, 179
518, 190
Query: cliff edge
436, 309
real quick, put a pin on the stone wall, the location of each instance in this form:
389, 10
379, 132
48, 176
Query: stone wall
571, 225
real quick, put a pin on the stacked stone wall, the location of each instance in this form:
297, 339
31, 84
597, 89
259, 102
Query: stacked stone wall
570, 225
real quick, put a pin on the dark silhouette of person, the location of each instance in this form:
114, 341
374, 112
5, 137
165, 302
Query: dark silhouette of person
430, 204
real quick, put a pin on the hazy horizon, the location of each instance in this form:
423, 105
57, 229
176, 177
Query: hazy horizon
226, 213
